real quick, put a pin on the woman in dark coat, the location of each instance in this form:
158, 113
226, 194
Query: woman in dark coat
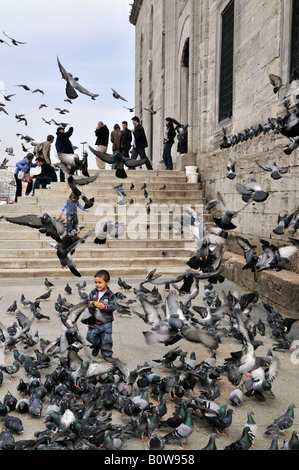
169, 136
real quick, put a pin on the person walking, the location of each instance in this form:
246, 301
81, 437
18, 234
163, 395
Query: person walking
70, 207
169, 136
139, 142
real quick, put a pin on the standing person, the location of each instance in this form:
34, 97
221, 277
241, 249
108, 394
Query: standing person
139, 142
63, 144
169, 136
103, 300
70, 206
23, 169
125, 140
102, 138
115, 139
46, 176
46, 153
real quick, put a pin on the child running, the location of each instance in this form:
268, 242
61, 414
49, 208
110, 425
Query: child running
71, 205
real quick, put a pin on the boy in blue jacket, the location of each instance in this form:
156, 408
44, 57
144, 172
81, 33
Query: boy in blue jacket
102, 302
71, 206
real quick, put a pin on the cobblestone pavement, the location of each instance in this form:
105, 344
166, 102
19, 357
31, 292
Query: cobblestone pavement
130, 346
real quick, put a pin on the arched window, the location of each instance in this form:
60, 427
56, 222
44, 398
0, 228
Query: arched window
227, 63
184, 97
294, 65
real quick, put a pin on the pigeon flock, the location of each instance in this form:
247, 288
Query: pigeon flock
287, 125
79, 403
73, 90
201, 374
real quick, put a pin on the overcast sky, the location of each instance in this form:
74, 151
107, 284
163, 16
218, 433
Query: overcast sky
94, 41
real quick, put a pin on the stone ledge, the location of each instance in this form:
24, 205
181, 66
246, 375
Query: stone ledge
278, 289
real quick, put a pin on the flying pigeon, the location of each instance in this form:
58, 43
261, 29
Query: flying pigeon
14, 41
224, 221
65, 249
252, 192
276, 171
119, 161
276, 82
72, 84
117, 96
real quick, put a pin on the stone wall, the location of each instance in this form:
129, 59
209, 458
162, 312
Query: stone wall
261, 47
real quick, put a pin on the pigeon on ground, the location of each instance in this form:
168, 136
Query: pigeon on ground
183, 431
282, 423
155, 442
293, 443
243, 443
211, 445
73, 85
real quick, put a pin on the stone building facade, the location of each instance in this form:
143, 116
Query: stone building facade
207, 63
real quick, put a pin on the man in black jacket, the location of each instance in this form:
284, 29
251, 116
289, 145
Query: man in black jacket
125, 140
46, 176
63, 144
140, 142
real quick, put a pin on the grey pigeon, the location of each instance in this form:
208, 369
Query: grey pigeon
282, 423
243, 443
252, 191
293, 443
73, 85
224, 221
183, 431
119, 161
274, 169
276, 82
117, 96
231, 169
293, 146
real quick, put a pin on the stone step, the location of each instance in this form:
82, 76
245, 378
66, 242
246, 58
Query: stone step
42, 195
86, 272
103, 185
31, 263
37, 207
43, 242
96, 251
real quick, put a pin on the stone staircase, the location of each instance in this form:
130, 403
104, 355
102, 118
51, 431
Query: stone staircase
151, 239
